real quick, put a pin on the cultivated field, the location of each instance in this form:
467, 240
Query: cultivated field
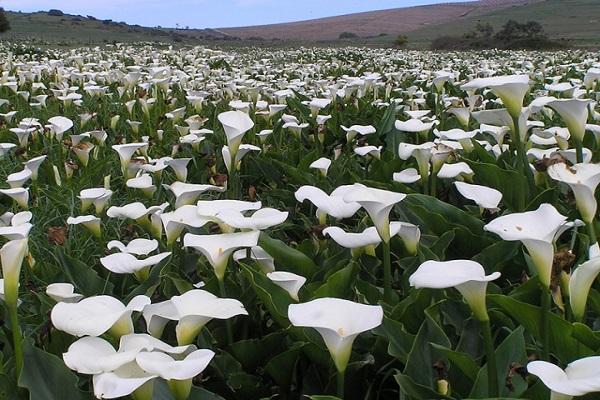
189, 223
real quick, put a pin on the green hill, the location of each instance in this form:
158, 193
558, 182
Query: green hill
575, 20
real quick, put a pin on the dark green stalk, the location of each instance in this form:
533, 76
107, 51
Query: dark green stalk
545, 328
387, 272
223, 292
341, 375
492, 370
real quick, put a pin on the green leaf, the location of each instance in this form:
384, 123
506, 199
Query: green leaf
423, 355
289, 259
512, 184
46, 376
562, 343
339, 284
82, 276
511, 350
416, 390
438, 217
400, 341
282, 366
276, 299
462, 361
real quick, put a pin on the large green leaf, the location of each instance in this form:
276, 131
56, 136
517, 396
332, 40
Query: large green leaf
82, 276
511, 351
512, 184
289, 259
562, 344
46, 376
273, 297
438, 217
339, 284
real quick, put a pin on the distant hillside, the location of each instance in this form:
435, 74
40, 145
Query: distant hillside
575, 20
78, 29
375, 23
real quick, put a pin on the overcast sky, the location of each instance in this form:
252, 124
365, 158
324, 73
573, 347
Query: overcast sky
209, 13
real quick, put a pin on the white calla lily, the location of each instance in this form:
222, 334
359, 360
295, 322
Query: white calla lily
94, 316
192, 310
338, 321
578, 379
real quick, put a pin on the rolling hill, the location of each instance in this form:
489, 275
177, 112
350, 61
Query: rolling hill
375, 23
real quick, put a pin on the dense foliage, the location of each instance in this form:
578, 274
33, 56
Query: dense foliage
447, 182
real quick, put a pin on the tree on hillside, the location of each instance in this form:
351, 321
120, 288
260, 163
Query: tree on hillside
401, 41
4, 24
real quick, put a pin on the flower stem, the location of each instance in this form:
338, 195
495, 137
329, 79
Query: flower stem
341, 375
579, 149
492, 370
11, 305
592, 233
545, 328
523, 162
223, 292
387, 272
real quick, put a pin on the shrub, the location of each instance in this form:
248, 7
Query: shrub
56, 13
401, 41
348, 35
4, 24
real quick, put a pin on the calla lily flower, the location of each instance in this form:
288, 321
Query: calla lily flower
11, 257
125, 263
94, 316
60, 125
218, 248
192, 310
580, 284
235, 164
19, 195
142, 182
354, 130
583, 180
368, 237
175, 222
138, 247
373, 151
414, 126
260, 220
483, 196
126, 151
536, 230
64, 292
333, 204
178, 373
378, 204
290, 282
409, 175
121, 382
18, 179
258, 254
235, 124
91, 222
468, 277
578, 379
338, 321
574, 113
511, 89
179, 166
322, 164
99, 197
188, 193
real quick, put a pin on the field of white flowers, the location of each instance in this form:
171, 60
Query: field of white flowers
298, 224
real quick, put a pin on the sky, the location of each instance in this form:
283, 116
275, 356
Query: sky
209, 13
